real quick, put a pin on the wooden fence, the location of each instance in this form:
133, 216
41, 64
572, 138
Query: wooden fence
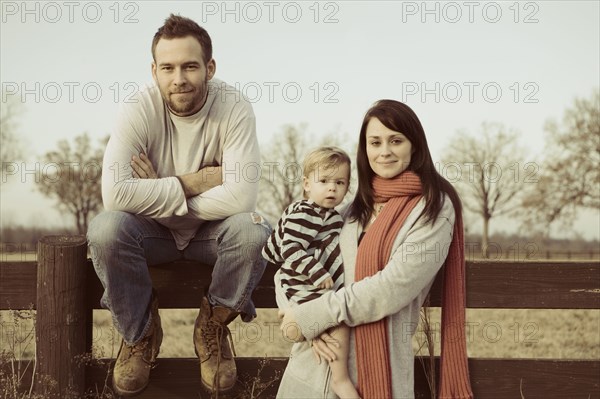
64, 289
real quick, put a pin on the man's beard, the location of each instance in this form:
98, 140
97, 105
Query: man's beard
191, 105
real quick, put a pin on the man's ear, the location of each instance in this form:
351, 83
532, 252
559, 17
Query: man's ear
211, 69
153, 68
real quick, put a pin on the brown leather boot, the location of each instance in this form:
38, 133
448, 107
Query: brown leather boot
217, 366
134, 362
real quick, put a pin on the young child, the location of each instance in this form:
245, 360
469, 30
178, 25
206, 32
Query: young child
305, 245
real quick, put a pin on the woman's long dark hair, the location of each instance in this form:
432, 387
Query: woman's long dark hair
401, 118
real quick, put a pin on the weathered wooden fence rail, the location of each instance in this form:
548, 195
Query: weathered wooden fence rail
64, 289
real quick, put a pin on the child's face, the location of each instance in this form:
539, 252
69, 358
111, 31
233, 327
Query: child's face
327, 186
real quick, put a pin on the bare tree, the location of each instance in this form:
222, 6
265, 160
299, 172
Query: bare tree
10, 146
72, 176
282, 171
281, 177
570, 175
485, 168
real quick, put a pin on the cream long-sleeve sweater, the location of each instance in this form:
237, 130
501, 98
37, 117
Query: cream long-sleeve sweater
222, 133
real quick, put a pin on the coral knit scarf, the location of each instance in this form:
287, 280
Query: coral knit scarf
372, 347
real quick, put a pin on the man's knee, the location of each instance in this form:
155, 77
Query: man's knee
262, 226
106, 228
250, 229
250, 225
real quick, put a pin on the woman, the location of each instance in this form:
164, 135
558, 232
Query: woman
407, 220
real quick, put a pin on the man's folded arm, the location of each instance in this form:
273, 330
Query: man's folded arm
240, 170
162, 197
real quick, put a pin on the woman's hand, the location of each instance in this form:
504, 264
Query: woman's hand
289, 327
322, 347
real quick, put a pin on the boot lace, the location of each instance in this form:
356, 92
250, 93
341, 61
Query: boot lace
213, 335
140, 349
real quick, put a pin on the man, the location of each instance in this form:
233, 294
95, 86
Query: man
172, 189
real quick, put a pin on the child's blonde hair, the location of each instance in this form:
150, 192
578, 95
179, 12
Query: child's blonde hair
326, 158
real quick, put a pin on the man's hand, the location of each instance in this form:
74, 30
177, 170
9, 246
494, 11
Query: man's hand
201, 181
142, 167
209, 177
192, 183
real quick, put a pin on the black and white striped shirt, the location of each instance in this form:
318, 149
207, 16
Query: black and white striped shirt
305, 244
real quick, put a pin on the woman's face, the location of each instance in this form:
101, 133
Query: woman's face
388, 151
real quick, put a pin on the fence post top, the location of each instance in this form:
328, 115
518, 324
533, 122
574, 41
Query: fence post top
63, 240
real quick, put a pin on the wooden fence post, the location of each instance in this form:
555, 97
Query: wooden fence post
61, 317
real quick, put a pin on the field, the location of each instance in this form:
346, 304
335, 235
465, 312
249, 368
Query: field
495, 333
491, 333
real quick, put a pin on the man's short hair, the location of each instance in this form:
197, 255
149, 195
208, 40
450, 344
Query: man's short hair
177, 26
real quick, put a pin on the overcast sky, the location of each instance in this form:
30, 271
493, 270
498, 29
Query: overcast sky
456, 64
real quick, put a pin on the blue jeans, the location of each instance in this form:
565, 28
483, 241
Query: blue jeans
123, 245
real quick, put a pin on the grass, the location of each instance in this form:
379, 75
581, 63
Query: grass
17, 352
18, 362
491, 333
17, 339
529, 333
259, 338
